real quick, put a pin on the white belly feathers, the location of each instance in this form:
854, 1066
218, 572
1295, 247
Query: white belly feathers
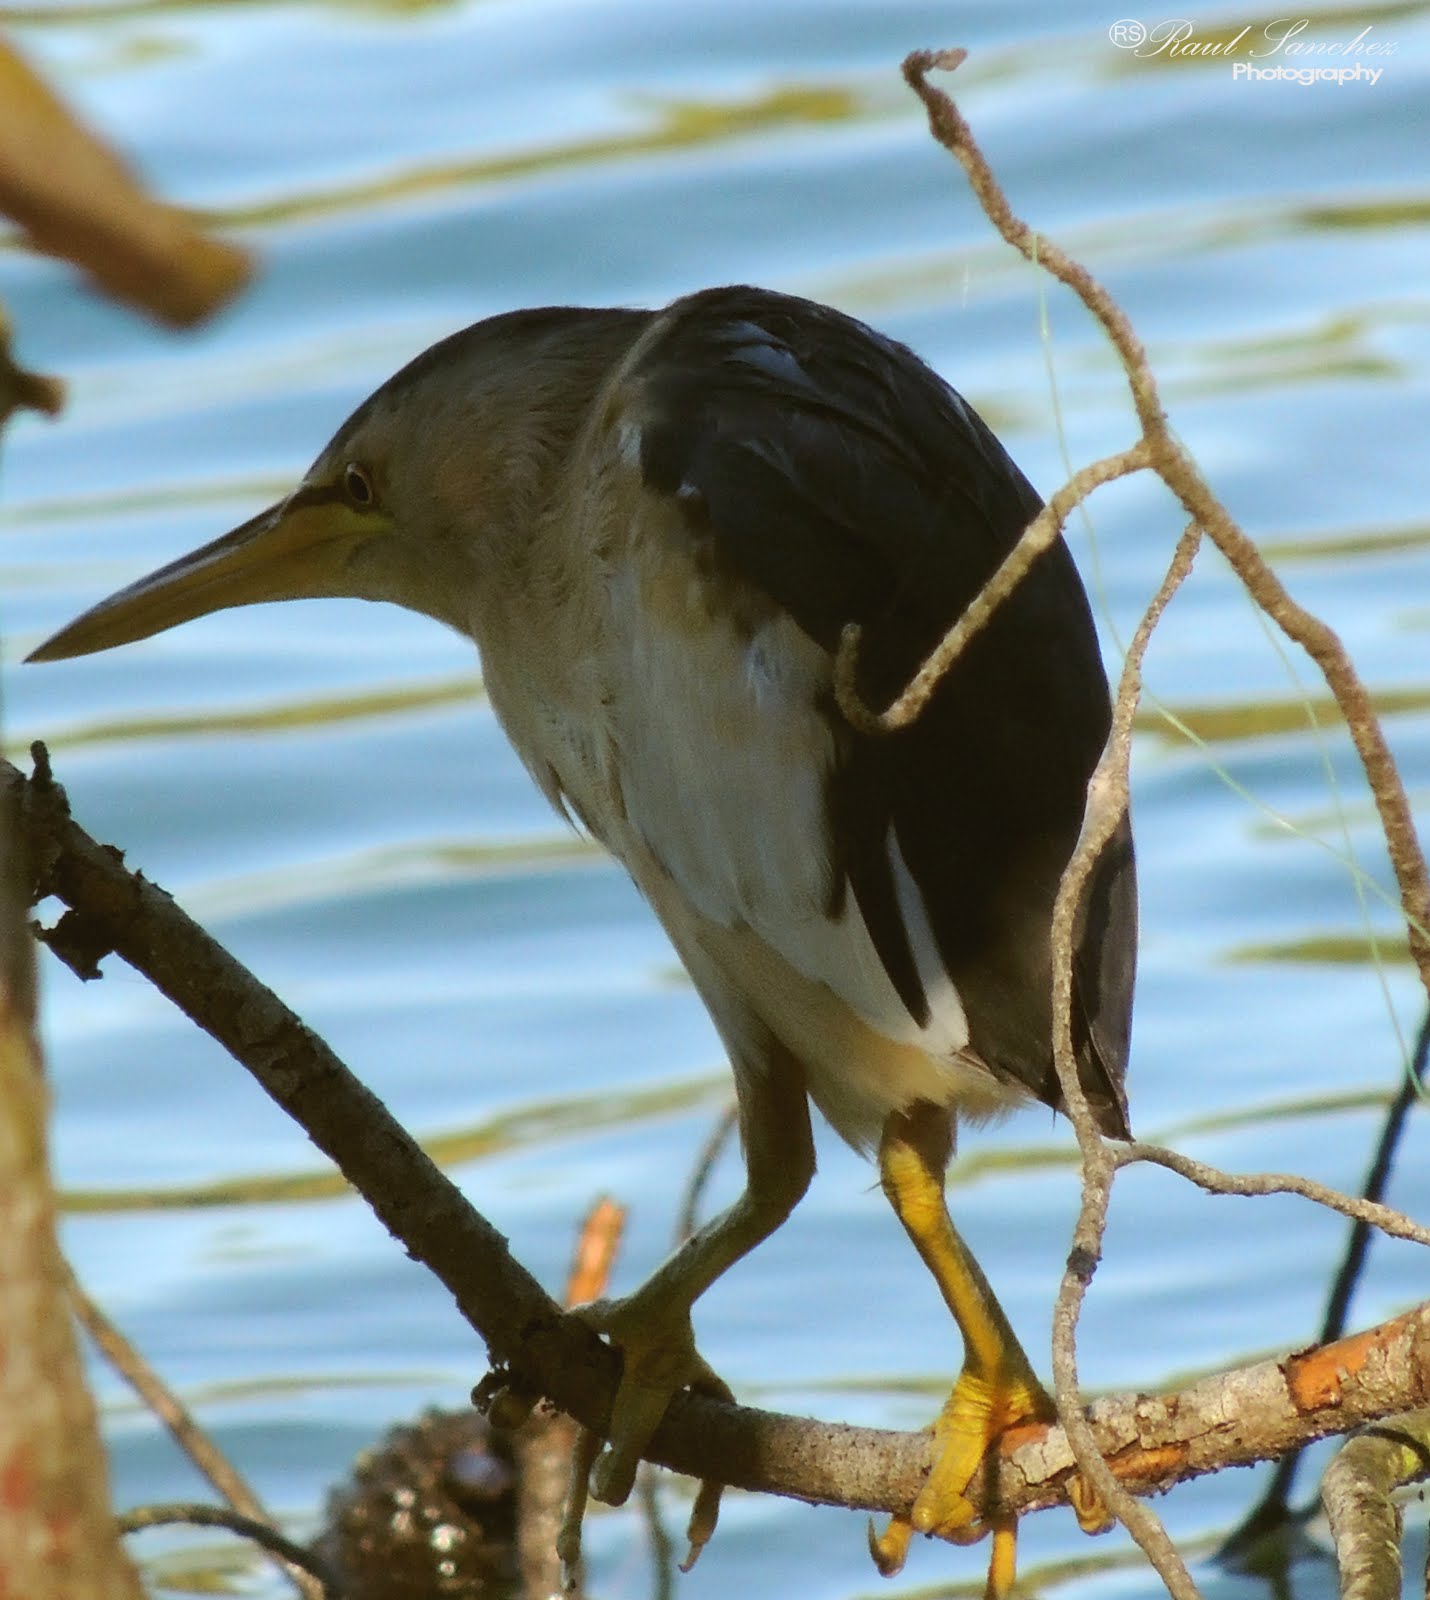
726, 739
702, 732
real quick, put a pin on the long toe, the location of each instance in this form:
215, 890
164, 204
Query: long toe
974, 1417
890, 1549
659, 1358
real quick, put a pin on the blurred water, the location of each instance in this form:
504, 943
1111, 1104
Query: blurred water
323, 786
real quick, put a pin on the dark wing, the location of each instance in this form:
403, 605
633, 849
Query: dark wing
827, 468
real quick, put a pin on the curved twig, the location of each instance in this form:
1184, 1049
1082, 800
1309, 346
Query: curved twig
1107, 805
1356, 1491
164, 1404
197, 1515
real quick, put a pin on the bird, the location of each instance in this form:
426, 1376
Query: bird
657, 526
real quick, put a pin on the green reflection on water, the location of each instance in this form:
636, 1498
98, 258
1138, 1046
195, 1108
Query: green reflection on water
1338, 949
536, 1124
1254, 719
316, 711
574, 1116
1336, 349
243, 1391
1213, 723
976, 1165
143, 499
82, 15
676, 124
1413, 211
1336, 546
1357, 812
262, 893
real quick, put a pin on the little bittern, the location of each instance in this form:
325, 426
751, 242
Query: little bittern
656, 526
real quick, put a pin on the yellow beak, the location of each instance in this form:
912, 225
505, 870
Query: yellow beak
295, 550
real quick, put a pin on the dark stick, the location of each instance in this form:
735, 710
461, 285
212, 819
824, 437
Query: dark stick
1272, 1513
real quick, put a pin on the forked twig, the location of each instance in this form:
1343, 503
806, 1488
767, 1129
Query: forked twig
1156, 447
1107, 804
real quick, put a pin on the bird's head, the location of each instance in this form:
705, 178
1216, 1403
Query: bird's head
406, 500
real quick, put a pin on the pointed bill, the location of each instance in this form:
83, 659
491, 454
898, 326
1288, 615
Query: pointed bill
292, 551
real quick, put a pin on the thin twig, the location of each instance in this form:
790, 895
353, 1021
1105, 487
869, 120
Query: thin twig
687, 1217
1107, 806
597, 1245
1036, 539
1386, 1218
1184, 479
195, 1514
1107, 796
164, 1404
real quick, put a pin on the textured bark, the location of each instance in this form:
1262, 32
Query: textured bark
1356, 1492
1258, 1413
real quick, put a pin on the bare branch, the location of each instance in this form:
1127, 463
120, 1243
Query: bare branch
1365, 1521
1182, 476
1152, 1441
57, 1537
75, 199
1215, 1181
21, 390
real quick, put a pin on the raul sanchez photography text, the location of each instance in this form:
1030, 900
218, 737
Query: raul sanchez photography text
1283, 51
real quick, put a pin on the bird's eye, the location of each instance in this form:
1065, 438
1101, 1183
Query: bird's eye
357, 486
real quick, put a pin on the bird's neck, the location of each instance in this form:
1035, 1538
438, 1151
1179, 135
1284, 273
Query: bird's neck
536, 609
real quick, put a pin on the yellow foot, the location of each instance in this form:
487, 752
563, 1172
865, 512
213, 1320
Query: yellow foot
1088, 1506
975, 1416
659, 1359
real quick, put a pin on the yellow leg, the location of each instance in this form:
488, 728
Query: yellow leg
651, 1327
997, 1388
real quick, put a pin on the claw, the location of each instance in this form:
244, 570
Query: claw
706, 1511
976, 1414
1088, 1507
568, 1538
659, 1358
890, 1549
703, 1517
504, 1402
509, 1408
